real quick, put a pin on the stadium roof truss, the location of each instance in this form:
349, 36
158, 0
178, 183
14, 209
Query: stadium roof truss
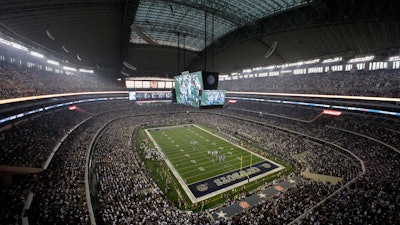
195, 24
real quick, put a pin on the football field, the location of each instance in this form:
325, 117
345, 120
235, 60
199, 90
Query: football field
195, 155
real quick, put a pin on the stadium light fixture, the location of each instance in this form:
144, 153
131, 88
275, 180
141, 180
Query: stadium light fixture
5, 41
362, 59
300, 63
53, 62
312, 61
246, 70
36, 54
13, 44
18, 46
332, 60
286, 71
274, 73
394, 58
85, 71
69, 68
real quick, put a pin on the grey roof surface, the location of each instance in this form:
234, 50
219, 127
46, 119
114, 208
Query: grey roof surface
214, 35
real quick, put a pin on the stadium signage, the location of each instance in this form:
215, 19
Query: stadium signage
236, 176
332, 112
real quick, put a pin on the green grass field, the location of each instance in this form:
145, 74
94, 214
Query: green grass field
187, 148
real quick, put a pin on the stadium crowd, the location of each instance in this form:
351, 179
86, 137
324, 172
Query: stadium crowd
377, 190
329, 161
116, 173
21, 81
284, 207
376, 128
265, 109
127, 194
28, 143
12, 199
384, 83
60, 194
321, 159
374, 197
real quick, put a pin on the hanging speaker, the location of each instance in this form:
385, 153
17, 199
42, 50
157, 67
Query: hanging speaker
210, 80
271, 50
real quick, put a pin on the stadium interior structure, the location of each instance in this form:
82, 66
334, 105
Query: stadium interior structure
310, 86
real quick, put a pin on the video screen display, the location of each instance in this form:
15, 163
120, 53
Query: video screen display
150, 96
149, 83
212, 97
187, 88
146, 84
132, 95
138, 84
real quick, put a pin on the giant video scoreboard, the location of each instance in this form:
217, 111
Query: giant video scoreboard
149, 83
199, 89
149, 89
